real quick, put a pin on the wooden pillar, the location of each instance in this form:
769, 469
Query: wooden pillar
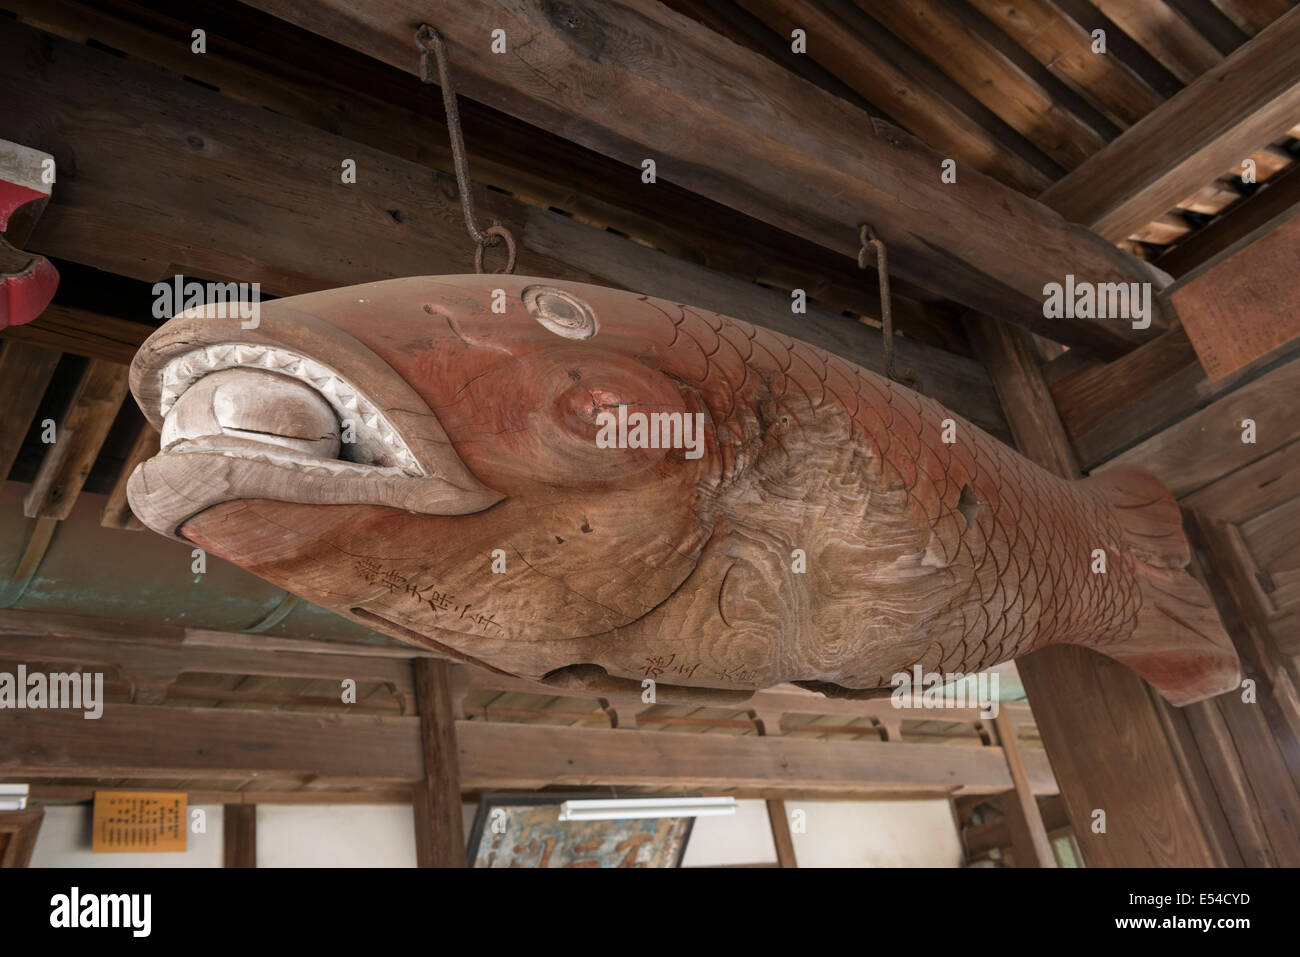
1029, 840
778, 817
239, 827
1105, 732
18, 830
439, 827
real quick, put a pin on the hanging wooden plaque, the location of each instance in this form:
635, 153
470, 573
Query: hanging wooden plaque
139, 821
1245, 303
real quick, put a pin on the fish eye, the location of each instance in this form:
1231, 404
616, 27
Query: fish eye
561, 312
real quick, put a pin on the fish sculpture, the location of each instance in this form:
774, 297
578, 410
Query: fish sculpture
589, 487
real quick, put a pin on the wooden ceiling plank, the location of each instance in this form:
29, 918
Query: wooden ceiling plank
1249, 99
78, 438
703, 107
1162, 231
904, 94
939, 30
1166, 34
25, 372
1209, 200
1065, 48
1268, 202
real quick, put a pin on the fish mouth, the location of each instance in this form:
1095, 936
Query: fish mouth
257, 418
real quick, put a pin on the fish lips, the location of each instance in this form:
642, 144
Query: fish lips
399, 454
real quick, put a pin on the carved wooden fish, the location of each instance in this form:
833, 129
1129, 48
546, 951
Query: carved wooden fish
422, 455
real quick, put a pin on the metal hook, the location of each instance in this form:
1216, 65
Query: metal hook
429, 41
869, 240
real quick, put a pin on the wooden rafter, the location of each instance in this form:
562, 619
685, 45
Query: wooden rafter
805, 174
1248, 100
316, 233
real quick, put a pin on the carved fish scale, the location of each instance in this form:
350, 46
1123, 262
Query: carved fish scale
1020, 578
825, 533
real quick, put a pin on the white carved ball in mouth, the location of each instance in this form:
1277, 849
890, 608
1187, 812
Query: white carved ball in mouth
257, 406
277, 406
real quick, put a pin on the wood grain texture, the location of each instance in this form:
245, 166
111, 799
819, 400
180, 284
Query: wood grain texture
681, 102
18, 832
1088, 397
1167, 398
1246, 101
117, 513
82, 333
1242, 305
310, 232
600, 566
439, 826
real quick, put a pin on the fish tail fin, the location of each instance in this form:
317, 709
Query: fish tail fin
1179, 644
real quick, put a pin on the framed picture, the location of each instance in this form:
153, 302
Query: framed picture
526, 831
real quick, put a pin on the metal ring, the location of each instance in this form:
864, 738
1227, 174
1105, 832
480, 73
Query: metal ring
501, 231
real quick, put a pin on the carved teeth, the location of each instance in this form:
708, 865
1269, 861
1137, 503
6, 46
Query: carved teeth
379, 447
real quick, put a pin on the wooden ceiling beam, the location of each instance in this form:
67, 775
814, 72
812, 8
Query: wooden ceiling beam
703, 108
82, 332
157, 174
221, 743
1248, 100
262, 61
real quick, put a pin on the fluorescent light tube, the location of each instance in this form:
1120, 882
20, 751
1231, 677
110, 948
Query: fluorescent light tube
621, 809
13, 797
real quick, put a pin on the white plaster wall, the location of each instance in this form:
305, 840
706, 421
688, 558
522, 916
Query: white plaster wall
335, 835
741, 838
64, 841
837, 834
877, 834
